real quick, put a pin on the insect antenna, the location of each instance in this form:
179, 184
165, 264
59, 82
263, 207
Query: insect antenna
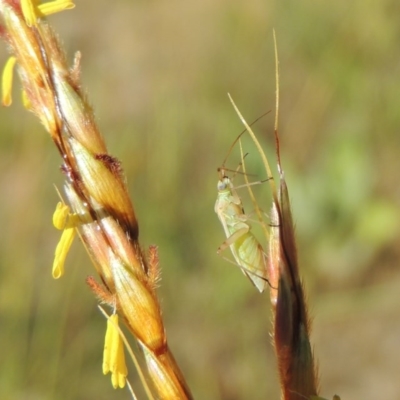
239, 136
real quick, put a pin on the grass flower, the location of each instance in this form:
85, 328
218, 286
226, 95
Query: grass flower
291, 335
31, 11
100, 209
298, 375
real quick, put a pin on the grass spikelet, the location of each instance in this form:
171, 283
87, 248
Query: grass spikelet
291, 324
101, 210
291, 331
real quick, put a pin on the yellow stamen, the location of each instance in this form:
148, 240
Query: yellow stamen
62, 249
63, 219
28, 11
60, 215
32, 11
6, 82
53, 7
113, 356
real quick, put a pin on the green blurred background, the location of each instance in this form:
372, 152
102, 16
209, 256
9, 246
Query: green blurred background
157, 74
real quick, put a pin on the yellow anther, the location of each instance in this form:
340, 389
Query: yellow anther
60, 215
29, 12
32, 11
63, 219
6, 82
53, 7
113, 355
62, 249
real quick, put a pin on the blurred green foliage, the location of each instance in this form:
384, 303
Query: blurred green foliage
157, 74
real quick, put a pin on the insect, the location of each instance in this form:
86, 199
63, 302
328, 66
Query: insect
246, 250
